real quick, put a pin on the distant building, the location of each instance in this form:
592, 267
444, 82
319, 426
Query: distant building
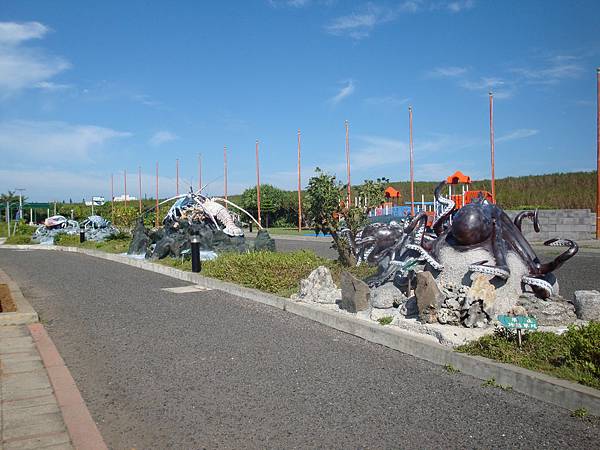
122, 198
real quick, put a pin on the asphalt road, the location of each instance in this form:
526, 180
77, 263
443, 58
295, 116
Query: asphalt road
211, 370
581, 272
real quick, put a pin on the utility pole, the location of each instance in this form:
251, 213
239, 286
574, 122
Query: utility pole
492, 146
348, 161
412, 161
299, 189
258, 185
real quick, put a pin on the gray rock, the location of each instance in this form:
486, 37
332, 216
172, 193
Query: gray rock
140, 241
587, 305
448, 316
264, 242
318, 288
482, 291
355, 293
386, 295
554, 311
409, 307
475, 316
429, 297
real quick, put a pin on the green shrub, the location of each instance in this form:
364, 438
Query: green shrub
19, 239
574, 355
67, 240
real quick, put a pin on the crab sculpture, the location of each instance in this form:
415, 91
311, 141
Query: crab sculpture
482, 224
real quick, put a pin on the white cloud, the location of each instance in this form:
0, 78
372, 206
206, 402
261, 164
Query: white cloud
517, 134
552, 70
447, 72
289, 3
388, 100
52, 141
24, 67
344, 92
50, 86
459, 5
161, 137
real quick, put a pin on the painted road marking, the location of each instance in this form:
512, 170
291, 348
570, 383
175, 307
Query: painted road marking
186, 289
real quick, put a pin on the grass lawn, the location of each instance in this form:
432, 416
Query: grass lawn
120, 245
574, 355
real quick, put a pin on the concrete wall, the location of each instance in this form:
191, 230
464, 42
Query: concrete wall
575, 224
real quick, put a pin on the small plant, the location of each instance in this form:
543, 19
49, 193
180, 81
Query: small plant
580, 413
19, 239
492, 383
385, 320
451, 369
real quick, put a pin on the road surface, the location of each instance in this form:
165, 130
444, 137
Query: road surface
208, 369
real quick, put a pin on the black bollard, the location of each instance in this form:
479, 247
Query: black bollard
250, 225
195, 244
81, 236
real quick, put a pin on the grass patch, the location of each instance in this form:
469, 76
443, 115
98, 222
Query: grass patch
114, 245
19, 239
276, 273
574, 355
492, 383
451, 369
385, 320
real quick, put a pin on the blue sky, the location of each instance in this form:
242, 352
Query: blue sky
92, 88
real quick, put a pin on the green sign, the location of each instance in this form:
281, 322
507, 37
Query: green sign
518, 322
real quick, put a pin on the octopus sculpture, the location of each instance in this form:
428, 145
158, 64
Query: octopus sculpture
482, 224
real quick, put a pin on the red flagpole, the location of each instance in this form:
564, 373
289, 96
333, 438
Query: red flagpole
299, 189
156, 208
112, 198
412, 164
258, 184
177, 176
492, 146
598, 151
348, 162
225, 171
140, 186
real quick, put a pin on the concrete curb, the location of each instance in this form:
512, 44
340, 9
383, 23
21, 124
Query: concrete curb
538, 385
25, 313
80, 425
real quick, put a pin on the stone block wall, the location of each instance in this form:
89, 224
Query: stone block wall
575, 224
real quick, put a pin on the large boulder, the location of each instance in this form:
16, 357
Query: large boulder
264, 242
554, 311
429, 297
456, 271
318, 288
355, 293
587, 305
140, 241
386, 296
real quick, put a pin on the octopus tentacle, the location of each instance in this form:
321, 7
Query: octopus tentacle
426, 256
560, 259
496, 271
543, 286
449, 206
533, 215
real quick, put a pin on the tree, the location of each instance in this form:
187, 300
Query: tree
271, 200
12, 197
373, 192
329, 215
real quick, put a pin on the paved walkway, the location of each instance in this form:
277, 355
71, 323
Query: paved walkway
30, 414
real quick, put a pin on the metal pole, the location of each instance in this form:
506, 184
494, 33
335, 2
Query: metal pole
492, 146
8, 218
195, 248
126, 201
177, 176
112, 198
257, 184
412, 168
225, 171
598, 153
348, 162
140, 186
299, 189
